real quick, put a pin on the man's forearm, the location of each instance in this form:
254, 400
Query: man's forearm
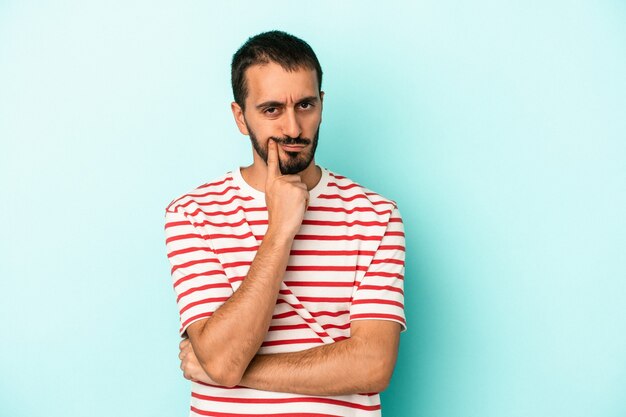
226, 342
361, 364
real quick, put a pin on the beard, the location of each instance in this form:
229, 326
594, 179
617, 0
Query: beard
296, 161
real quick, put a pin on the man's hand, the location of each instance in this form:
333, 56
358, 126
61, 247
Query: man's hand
192, 370
286, 197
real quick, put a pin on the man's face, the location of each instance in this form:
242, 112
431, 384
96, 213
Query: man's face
286, 107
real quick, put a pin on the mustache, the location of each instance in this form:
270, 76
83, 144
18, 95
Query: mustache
291, 141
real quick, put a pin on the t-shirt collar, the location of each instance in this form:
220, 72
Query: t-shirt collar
248, 190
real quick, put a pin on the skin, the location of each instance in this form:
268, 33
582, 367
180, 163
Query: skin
282, 104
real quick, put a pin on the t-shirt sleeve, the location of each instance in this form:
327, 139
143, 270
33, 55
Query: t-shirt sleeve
380, 294
199, 281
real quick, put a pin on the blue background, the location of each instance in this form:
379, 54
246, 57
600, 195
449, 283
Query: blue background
498, 127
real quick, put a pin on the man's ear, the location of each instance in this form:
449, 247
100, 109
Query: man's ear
239, 118
321, 105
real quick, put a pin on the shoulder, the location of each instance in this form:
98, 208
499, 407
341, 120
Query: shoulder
347, 190
217, 189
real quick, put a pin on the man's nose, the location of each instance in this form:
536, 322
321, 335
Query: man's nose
291, 125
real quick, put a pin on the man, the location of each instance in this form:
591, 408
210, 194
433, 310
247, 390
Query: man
289, 277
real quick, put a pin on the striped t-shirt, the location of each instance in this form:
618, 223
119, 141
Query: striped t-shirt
346, 263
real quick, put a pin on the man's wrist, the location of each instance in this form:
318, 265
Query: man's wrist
278, 237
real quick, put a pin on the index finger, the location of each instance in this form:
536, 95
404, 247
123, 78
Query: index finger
273, 168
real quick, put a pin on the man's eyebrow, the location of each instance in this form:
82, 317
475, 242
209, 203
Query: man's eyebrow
270, 103
309, 99
274, 103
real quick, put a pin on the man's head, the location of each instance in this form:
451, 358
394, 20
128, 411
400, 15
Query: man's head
276, 81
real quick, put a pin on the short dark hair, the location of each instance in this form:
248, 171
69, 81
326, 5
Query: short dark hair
286, 50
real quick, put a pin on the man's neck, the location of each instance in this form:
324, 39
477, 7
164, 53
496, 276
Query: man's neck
256, 173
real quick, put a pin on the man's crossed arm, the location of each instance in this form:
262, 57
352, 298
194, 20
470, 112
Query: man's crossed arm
363, 363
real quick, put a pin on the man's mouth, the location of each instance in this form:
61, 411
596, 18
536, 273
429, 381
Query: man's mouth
292, 148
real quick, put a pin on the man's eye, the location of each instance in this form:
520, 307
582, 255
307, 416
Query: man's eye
270, 110
305, 105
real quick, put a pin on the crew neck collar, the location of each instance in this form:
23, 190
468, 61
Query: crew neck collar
246, 189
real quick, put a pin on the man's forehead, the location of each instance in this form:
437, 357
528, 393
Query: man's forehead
271, 82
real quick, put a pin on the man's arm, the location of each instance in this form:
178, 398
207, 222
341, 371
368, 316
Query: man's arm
226, 342
363, 363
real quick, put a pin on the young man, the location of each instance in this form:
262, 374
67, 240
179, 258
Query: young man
289, 277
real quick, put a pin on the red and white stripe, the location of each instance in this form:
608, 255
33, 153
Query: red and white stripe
346, 263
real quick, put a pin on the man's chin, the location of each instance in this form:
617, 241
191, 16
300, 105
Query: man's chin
294, 168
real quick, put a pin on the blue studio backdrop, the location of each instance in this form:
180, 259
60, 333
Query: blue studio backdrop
499, 127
